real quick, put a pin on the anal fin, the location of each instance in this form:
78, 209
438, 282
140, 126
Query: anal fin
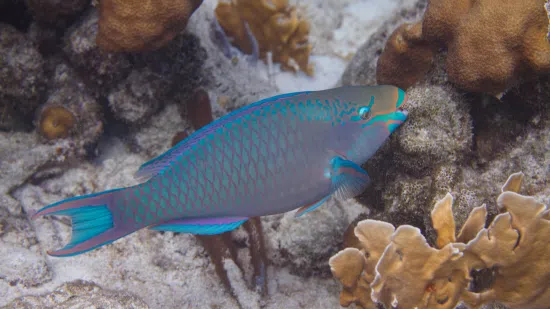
201, 226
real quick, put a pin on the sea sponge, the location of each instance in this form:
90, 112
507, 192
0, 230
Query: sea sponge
141, 25
276, 27
56, 122
484, 54
411, 274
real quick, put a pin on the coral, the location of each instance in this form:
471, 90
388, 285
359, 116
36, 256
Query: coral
55, 122
22, 79
361, 70
479, 56
137, 97
51, 11
274, 24
411, 274
137, 25
79, 294
103, 70
70, 111
407, 57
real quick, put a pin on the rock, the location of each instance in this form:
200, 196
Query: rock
52, 11
305, 244
22, 80
136, 98
101, 69
23, 263
79, 294
70, 113
171, 73
438, 130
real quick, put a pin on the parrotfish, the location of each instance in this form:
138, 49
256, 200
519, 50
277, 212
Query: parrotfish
282, 153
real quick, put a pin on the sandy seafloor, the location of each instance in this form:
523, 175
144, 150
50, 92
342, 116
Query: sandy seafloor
173, 271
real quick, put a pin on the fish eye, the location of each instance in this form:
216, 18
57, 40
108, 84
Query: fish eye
364, 112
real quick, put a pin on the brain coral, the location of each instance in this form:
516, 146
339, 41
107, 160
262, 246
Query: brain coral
491, 45
275, 25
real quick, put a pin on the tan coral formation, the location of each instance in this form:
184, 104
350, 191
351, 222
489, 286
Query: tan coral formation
276, 27
411, 274
491, 45
141, 25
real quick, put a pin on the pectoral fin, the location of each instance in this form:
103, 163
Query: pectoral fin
348, 178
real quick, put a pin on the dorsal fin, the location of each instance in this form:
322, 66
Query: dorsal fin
159, 164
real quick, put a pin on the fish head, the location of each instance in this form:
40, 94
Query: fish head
377, 111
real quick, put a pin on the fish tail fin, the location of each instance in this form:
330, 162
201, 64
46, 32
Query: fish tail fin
92, 221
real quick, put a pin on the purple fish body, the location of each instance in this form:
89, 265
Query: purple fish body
282, 153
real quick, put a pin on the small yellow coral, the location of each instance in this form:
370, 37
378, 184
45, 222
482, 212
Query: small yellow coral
276, 27
56, 122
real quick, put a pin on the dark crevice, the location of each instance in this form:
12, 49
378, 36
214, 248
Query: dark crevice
15, 13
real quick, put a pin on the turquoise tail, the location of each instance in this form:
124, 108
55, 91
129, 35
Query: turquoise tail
92, 221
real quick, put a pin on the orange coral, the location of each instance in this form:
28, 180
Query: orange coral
406, 58
491, 44
141, 25
56, 122
274, 24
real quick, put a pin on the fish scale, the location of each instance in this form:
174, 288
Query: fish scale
282, 153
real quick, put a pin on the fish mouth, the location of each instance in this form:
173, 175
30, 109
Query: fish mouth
402, 110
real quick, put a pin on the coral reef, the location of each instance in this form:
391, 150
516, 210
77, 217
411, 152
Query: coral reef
137, 25
274, 24
70, 110
51, 11
475, 139
137, 97
22, 82
398, 268
478, 61
79, 294
100, 69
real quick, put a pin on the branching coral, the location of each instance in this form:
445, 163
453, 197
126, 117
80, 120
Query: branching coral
411, 274
138, 25
275, 25
491, 45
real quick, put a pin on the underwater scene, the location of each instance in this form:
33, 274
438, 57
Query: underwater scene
274, 154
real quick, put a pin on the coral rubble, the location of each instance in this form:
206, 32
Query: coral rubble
276, 27
402, 270
79, 294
